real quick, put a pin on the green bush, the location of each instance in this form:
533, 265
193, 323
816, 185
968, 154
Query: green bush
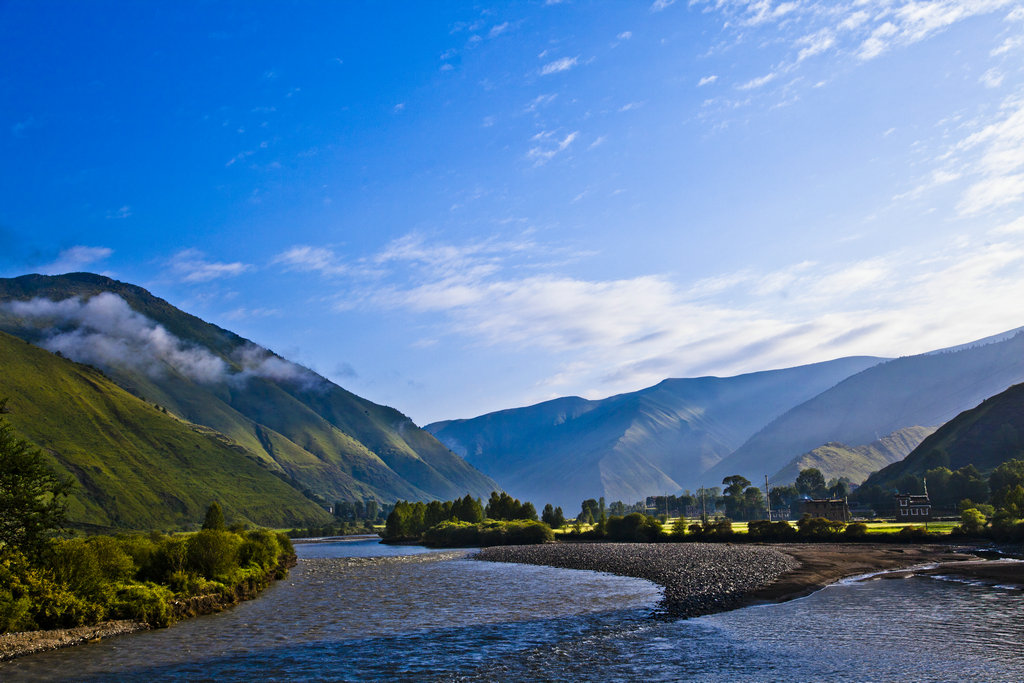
856, 530
763, 530
634, 527
260, 548
819, 528
911, 534
143, 602
76, 566
213, 553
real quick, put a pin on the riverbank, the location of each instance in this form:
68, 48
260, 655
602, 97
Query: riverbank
703, 578
30, 642
22, 643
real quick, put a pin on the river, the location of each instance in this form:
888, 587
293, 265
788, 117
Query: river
361, 610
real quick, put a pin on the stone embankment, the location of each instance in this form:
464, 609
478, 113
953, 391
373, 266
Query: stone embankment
698, 578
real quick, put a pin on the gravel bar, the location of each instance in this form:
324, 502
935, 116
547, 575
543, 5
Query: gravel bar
698, 578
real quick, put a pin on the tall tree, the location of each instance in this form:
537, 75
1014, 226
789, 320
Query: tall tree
811, 482
214, 517
32, 496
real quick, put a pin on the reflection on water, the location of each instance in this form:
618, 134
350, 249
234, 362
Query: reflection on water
346, 614
916, 629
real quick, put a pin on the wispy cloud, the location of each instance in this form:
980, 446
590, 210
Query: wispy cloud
559, 65
758, 82
120, 214
191, 265
857, 31
321, 260
547, 146
659, 5
625, 333
707, 80
75, 259
994, 159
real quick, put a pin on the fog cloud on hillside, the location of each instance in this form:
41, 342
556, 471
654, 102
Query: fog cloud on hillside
104, 331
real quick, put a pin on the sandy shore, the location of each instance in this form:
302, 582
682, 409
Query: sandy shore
701, 578
17, 644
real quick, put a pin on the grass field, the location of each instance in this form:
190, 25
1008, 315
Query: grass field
741, 527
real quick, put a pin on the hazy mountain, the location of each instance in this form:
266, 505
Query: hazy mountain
836, 460
927, 389
134, 465
632, 445
985, 436
332, 442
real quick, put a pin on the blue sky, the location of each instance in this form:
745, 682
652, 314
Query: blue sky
454, 208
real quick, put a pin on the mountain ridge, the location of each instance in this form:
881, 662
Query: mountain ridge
334, 443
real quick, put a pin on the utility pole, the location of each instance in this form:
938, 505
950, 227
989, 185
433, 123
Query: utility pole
767, 498
703, 510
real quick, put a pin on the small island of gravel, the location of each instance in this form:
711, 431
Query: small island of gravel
703, 578
698, 578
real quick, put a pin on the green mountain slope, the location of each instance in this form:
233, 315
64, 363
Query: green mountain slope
985, 436
135, 465
330, 441
629, 446
836, 460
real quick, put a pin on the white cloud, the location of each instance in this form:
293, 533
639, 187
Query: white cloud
75, 259
548, 146
994, 159
659, 5
122, 213
559, 65
625, 35
191, 265
621, 334
106, 332
755, 83
1008, 45
316, 259
992, 78
498, 29
707, 80
815, 44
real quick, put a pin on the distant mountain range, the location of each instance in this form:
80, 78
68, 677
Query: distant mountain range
656, 440
683, 433
310, 433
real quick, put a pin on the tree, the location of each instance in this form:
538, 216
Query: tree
811, 482
734, 497
214, 517
1004, 478
32, 496
972, 521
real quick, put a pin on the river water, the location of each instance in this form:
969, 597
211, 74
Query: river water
362, 610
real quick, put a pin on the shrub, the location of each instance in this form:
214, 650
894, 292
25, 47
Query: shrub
819, 528
764, 530
76, 566
634, 527
212, 553
911, 534
260, 548
856, 530
143, 602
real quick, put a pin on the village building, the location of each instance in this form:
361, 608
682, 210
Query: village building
913, 507
832, 509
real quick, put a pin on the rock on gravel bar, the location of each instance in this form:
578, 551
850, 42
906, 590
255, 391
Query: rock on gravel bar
698, 578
